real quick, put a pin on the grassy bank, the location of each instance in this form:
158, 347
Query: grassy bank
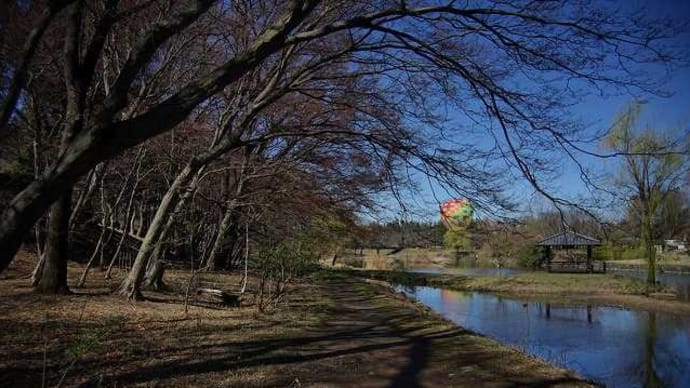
677, 264
388, 259
602, 289
329, 329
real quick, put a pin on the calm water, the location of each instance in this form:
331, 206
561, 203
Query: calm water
476, 271
615, 347
679, 282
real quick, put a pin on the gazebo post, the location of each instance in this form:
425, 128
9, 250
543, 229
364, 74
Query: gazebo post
589, 256
547, 252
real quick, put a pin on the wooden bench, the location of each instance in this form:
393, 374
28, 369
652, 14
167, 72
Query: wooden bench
223, 297
565, 267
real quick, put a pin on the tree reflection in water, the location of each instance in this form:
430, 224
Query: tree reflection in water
650, 377
613, 346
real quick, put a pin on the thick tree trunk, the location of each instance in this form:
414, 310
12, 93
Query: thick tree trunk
154, 277
131, 285
157, 230
53, 279
154, 274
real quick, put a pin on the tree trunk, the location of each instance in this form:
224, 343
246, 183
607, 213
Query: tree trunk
236, 254
82, 279
154, 275
131, 285
246, 258
648, 239
36, 274
213, 260
156, 232
53, 279
105, 139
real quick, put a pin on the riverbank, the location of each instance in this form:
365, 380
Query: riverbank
600, 289
681, 265
329, 329
399, 259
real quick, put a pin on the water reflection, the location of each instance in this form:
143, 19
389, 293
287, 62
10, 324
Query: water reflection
651, 378
615, 347
474, 271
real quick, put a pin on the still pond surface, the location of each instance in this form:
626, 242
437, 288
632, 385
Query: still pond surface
614, 347
678, 282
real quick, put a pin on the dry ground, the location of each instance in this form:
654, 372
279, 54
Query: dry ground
330, 330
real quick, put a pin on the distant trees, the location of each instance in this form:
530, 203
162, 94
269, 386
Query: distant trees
650, 176
402, 234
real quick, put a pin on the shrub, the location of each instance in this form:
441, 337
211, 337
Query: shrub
529, 256
277, 266
613, 252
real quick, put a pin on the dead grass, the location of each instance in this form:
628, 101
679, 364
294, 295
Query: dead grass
387, 259
544, 282
330, 330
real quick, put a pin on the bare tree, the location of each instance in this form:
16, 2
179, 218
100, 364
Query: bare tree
653, 168
465, 54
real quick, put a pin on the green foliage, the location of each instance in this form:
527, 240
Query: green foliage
323, 235
529, 256
606, 252
653, 167
457, 239
616, 252
284, 261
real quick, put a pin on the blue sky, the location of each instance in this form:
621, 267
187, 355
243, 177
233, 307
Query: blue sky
663, 113
671, 113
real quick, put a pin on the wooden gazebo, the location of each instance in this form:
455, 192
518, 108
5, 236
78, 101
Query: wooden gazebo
568, 241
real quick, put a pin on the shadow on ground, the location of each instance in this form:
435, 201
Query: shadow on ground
341, 332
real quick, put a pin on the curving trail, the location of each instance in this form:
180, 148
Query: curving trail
331, 329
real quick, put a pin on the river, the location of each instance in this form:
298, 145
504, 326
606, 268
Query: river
679, 282
612, 346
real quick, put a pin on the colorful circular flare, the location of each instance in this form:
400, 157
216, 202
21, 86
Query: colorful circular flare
456, 213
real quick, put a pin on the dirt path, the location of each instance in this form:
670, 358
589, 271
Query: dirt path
332, 330
378, 338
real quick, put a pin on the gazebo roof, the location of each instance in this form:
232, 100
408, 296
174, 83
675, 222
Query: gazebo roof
568, 239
